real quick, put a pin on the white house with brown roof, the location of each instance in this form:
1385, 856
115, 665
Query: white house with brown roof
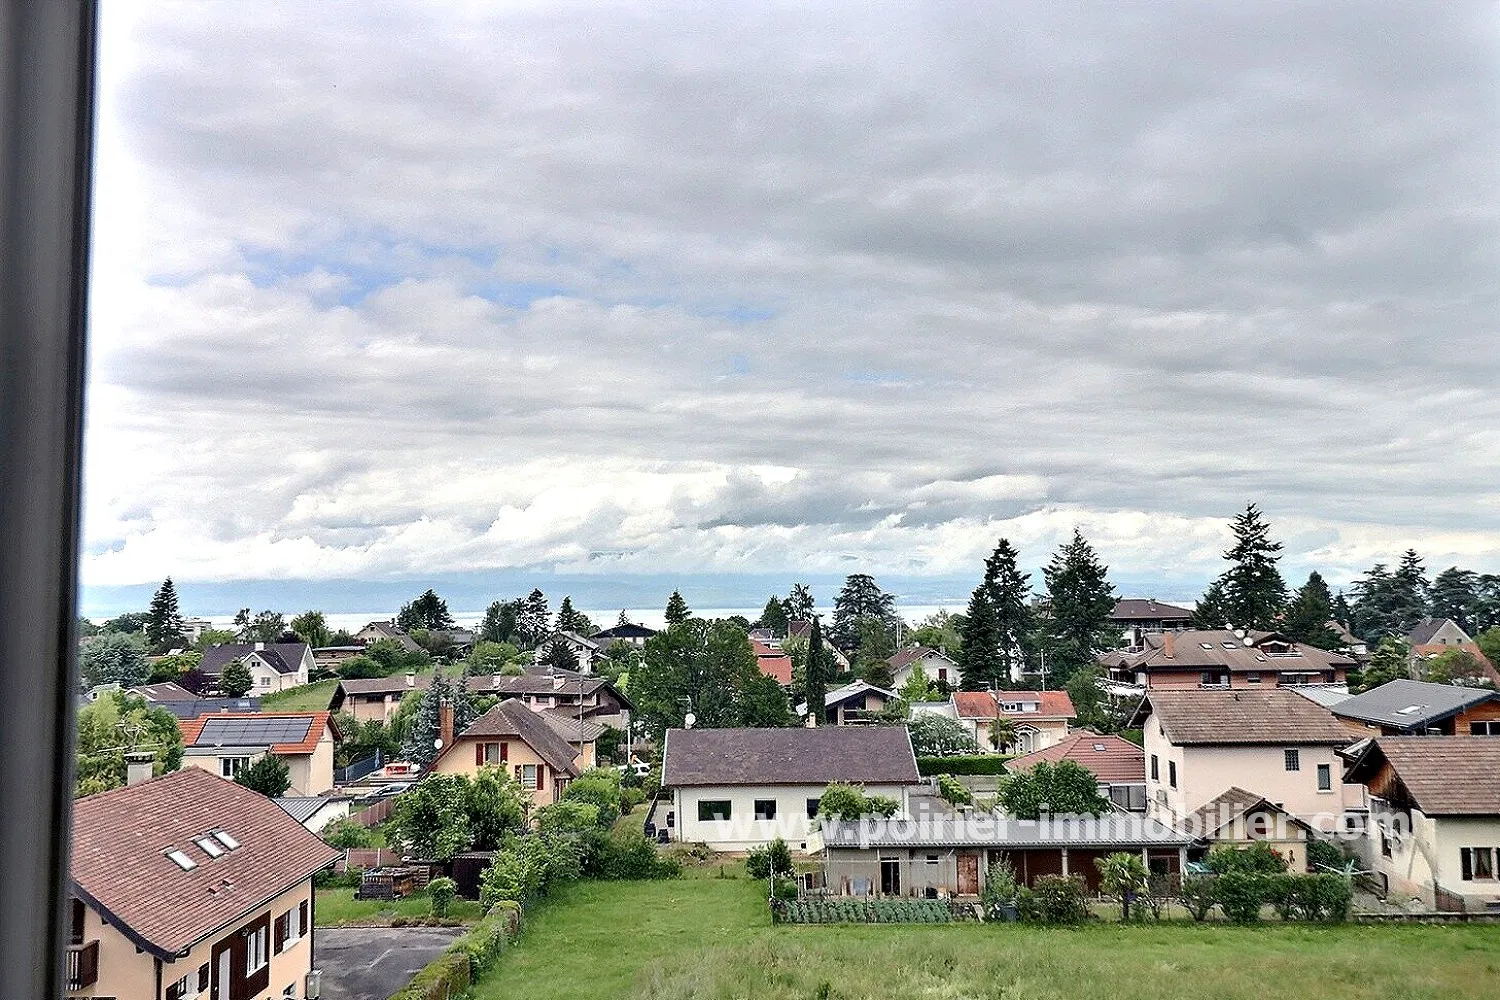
527, 744
274, 666
937, 665
1237, 818
1221, 658
1038, 718
1434, 830
190, 887
376, 698
224, 743
1272, 742
736, 789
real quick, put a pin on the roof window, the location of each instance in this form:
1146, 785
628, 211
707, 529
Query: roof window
1206, 645
1409, 710
181, 860
226, 839
1231, 645
209, 846
1098, 747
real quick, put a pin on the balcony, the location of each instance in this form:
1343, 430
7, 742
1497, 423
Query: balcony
83, 965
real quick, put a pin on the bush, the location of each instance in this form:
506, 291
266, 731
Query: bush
1325, 896
330, 879
954, 790
446, 976
1258, 859
441, 891
1241, 895
486, 941
1324, 855
599, 787
983, 763
631, 796
345, 834
1198, 895
631, 857
784, 889
1000, 888
773, 859
849, 802
1060, 899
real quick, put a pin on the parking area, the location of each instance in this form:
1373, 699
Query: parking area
371, 963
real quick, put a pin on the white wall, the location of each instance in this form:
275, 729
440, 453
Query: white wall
743, 831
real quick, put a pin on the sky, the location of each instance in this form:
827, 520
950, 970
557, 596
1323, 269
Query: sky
475, 294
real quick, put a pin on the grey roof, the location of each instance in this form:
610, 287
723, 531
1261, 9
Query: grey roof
195, 707
283, 657
1408, 704
1148, 609
571, 728
1444, 775
164, 691
847, 691
302, 807
1222, 717
1254, 651
1327, 695
630, 630
981, 829
862, 754
1424, 630
1229, 805
512, 718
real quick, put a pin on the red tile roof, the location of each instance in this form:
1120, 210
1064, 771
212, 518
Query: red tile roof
1111, 759
320, 721
119, 863
773, 662
986, 704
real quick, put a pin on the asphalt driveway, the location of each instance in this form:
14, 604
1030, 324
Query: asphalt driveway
371, 963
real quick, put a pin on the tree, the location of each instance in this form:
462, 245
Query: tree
1409, 591
87, 628
211, 637
130, 623
848, 802
560, 656
859, 598
1093, 710
1063, 788
677, 610
1486, 601
1390, 661
170, 668
114, 725
1003, 734
622, 620
940, 631
164, 625
697, 666
816, 674
919, 687
114, 658
501, 621
428, 611
1489, 643
496, 806
999, 620
874, 651
570, 619
431, 819
773, 616
1254, 592
312, 628
1081, 601
799, 603
1456, 666
1308, 615
426, 724
265, 626
1212, 609
1455, 595
939, 736
534, 620
763, 703
235, 680
1123, 876
269, 775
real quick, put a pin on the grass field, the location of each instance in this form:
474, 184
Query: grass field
338, 906
712, 938
306, 698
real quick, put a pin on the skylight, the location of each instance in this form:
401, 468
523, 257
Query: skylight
1099, 747
1206, 645
1409, 710
1231, 645
209, 846
181, 860
226, 839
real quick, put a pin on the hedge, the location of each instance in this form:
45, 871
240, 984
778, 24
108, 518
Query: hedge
444, 978
978, 763
452, 973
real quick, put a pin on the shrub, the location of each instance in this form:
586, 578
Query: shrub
345, 834
630, 856
485, 942
1123, 876
1258, 859
1198, 895
1060, 899
954, 790
1000, 888
441, 891
1240, 895
784, 889
446, 976
1323, 855
599, 787
773, 859
631, 796
983, 763
1326, 896
849, 802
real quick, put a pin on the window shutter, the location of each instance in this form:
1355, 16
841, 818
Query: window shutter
203, 977
518, 772
303, 929
173, 993
541, 772
505, 751
479, 754
1466, 863
280, 933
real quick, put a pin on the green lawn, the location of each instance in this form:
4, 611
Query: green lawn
338, 906
712, 938
306, 698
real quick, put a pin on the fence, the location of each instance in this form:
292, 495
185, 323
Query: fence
358, 769
377, 812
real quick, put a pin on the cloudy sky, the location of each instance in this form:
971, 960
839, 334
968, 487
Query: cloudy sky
401, 292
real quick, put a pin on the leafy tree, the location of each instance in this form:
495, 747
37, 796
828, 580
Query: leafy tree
1308, 615
533, 621
312, 628
1254, 592
998, 621
773, 616
1486, 601
165, 628
115, 724
849, 802
269, 775
235, 680
939, 736
817, 672
1061, 788
501, 622
677, 611
114, 657
1489, 644
570, 619
265, 626
1081, 603
1212, 609
1455, 594
919, 687
130, 623
1455, 666
431, 820
1123, 876
496, 806
211, 637
87, 628
699, 667
874, 652
1390, 661
859, 598
799, 603
763, 703
171, 668
347, 835
428, 611
1094, 710
940, 631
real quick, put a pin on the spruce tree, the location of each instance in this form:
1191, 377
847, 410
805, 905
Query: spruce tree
859, 598
998, 622
1409, 592
426, 611
799, 603
1081, 603
1308, 615
622, 620
570, 619
164, 625
426, 725
534, 620
773, 616
1254, 592
677, 610
819, 669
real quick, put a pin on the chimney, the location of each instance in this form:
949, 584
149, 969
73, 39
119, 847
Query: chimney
259, 646
1169, 647
411, 678
138, 766
445, 723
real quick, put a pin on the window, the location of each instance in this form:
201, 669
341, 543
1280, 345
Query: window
76, 921
713, 810
529, 776
491, 753
1325, 777
231, 766
182, 861
1477, 863
203, 978
812, 807
256, 957
209, 846
290, 928
765, 808
1155, 768
1293, 760
226, 839
263, 681
1172, 773
1484, 728
932, 859
1253, 677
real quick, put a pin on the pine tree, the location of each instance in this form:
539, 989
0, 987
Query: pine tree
1409, 590
819, 670
465, 712
570, 619
427, 611
1254, 592
859, 598
998, 621
1211, 612
677, 610
979, 657
773, 616
426, 726
164, 625
560, 656
1081, 603
1454, 595
799, 603
533, 620
622, 620
1308, 615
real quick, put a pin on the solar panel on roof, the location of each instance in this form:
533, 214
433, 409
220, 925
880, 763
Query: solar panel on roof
253, 732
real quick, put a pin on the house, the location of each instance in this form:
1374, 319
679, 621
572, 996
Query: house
626, 632
1417, 708
274, 666
1220, 658
1135, 617
580, 734
376, 698
1237, 818
939, 667
193, 628
801, 628
735, 789
187, 887
949, 855
1434, 828
1352, 644
376, 631
855, 704
1438, 632
511, 736
586, 651
315, 811
226, 742
330, 657
1119, 765
1039, 718
565, 690
186, 705
773, 662
1272, 742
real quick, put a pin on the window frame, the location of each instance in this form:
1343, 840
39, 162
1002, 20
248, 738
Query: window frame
1325, 777
707, 814
1291, 759
1172, 773
759, 808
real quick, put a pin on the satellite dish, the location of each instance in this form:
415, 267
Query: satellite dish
688, 720
437, 744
